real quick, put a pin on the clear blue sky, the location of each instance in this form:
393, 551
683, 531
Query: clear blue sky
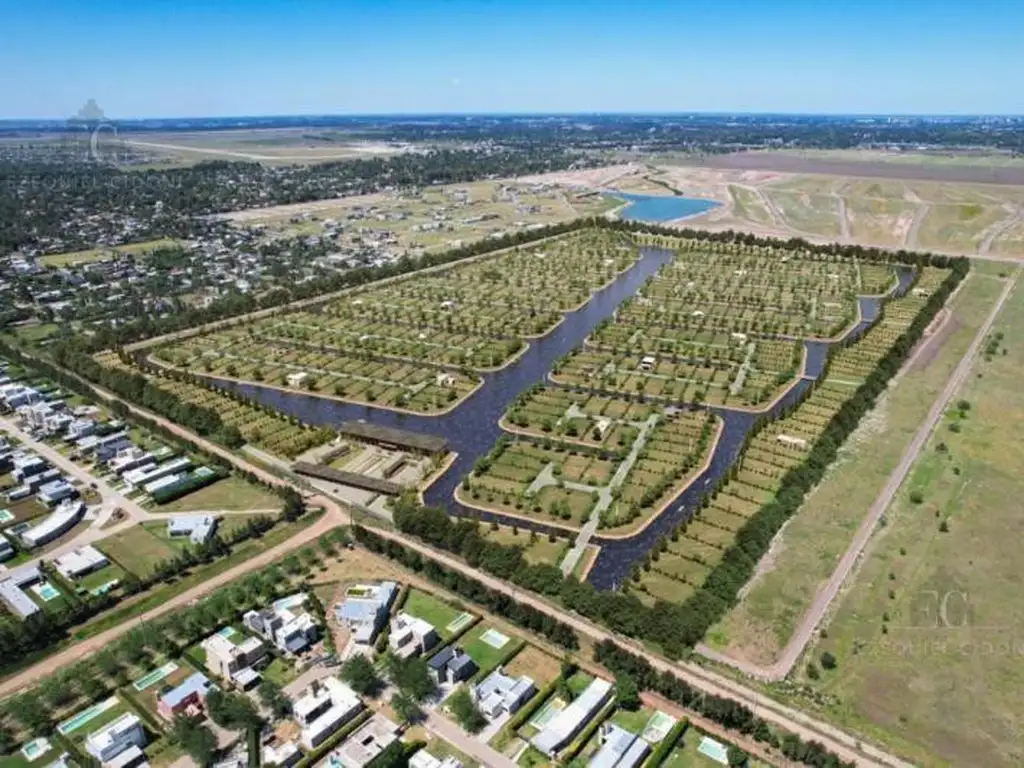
150, 58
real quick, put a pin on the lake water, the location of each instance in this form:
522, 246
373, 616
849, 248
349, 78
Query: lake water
662, 207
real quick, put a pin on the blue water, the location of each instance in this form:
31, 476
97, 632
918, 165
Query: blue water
662, 207
472, 428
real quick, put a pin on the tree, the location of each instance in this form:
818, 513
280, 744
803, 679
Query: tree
736, 756
361, 675
465, 710
627, 696
406, 708
410, 676
232, 710
195, 738
828, 661
274, 699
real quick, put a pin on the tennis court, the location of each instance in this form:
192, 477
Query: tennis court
657, 727
459, 622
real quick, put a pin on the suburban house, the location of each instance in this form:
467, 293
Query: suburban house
76, 564
619, 748
561, 729
290, 631
285, 754
368, 741
498, 693
365, 610
451, 665
122, 739
187, 698
323, 708
423, 759
12, 591
411, 636
6, 548
60, 521
55, 491
198, 528
234, 662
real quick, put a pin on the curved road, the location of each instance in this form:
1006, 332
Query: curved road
827, 593
847, 746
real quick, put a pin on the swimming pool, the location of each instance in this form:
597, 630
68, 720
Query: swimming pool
714, 750
35, 749
227, 632
46, 591
72, 724
155, 676
5, 517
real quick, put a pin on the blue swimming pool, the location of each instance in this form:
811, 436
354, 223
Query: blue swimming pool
662, 207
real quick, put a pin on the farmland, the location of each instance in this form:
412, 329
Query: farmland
419, 344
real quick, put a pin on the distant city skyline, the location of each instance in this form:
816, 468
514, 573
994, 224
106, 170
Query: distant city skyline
235, 58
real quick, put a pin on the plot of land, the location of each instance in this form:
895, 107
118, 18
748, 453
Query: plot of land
136, 550
429, 608
927, 637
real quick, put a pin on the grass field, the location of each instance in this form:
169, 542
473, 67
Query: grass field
928, 637
429, 608
541, 667
137, 550
536, 549
812, 543
98, 254
230, 493
486, 656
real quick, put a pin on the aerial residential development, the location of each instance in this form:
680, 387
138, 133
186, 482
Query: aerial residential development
454, 385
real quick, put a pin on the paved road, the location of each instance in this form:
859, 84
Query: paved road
827, 593
450, 732
847, 746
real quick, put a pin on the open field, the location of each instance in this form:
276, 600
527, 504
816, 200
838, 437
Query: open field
426, 219
416, 343
230, 494
807, 550
425, 606
882, 203
927, 639
98, 254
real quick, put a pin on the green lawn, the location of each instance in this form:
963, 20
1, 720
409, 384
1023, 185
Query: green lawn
814, 540
927, 635
578, 682
229, 493
99, 254
98, 578
429, 608
279, 671
137, 549
485, 655
18, 760
633, 722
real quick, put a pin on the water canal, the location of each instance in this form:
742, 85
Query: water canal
472, 428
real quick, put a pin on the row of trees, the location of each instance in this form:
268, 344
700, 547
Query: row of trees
726, 712
496, 602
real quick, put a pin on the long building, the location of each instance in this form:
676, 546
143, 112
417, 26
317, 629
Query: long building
571, 720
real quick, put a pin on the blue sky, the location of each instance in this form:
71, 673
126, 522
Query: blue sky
152, 58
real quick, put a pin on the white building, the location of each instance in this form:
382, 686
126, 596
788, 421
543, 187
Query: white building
13, 594
324, 708
198, 528
117, 737
290, 630
423, 759
6, 548
411, 636
232, 661
60, 521
368, 741
561, 729
365, 609
80, 562
498, 693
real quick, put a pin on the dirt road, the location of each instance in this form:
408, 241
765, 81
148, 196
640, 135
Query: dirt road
827, 593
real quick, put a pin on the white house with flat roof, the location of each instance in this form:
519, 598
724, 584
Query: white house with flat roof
124, 733
60, 521
619, 748
76, 564
198, 528
230, 660
365, 610
368, 741
411, 636
323, 708
12, 590
498, 693
570, 721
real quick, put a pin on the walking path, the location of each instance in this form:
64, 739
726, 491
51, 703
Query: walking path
605, 496
827, 593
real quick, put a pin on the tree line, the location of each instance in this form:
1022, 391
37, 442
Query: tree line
728, 713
